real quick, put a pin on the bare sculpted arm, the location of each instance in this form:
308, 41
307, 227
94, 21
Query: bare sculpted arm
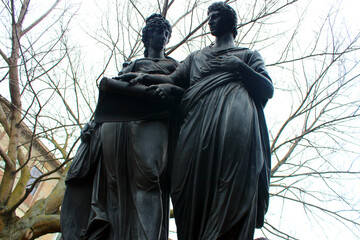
161, 85
163, 90
147, 79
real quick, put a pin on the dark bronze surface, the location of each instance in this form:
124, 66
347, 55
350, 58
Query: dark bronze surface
220, 170
118, 184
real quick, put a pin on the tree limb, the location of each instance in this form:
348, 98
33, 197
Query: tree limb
6, 158
3, 55
40, 18
24, 8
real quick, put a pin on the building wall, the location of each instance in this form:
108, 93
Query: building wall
40, 159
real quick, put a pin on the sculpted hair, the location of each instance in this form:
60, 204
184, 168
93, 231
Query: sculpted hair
154, 22
227, 12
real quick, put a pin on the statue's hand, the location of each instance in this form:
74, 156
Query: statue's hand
141, 78
128, 77
161, 90
87, 130
227, 62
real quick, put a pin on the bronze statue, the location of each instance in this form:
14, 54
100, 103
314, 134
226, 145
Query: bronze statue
221, 168
127, 162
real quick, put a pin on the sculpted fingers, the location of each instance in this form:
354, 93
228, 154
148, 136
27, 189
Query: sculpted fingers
160, 92
126, 77
162, 95
155, 90
133, 82
136, 80
152, 87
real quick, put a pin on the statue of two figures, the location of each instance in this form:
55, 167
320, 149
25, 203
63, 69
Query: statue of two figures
193, 130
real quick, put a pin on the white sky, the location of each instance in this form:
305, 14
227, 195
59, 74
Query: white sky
350, 13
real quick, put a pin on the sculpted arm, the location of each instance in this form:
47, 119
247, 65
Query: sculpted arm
257, 83
149, 79
159, 85
163, 90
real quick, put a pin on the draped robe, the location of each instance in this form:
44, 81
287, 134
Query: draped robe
221, 168
117, 185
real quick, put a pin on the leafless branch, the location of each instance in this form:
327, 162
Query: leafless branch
36, 22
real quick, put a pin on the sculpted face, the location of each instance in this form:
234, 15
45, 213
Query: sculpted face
159, 38
217, 24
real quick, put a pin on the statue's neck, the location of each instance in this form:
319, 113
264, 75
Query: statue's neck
152, 53
224, 41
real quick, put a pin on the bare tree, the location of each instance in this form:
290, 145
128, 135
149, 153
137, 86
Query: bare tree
311, 119
33, 47
314, 143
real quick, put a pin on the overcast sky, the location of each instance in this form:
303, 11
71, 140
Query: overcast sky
86, 21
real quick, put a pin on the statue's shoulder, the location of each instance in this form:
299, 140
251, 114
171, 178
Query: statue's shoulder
242, 50
246, 54
126, 67
192, 55
174, 61
133, 66
150, 61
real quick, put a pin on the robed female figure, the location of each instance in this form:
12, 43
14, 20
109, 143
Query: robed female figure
118, 185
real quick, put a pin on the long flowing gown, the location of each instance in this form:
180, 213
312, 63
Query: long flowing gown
221, 167
127, 189
135, 155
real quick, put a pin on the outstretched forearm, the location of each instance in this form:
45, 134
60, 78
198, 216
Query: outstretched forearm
150, 79
164, 90
144, 78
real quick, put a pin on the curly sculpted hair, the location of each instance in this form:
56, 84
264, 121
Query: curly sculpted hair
228, 13
154, 22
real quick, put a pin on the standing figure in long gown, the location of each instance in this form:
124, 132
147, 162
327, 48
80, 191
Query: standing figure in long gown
221, 169
127, 164
135, 153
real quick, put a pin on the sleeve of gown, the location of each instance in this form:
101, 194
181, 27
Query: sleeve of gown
257, 63
127, 67
182, 73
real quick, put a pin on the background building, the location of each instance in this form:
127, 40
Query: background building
41, 161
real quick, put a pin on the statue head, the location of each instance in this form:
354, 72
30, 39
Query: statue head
227, 15
156, 23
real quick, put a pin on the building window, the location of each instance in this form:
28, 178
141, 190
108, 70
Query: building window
35, 173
